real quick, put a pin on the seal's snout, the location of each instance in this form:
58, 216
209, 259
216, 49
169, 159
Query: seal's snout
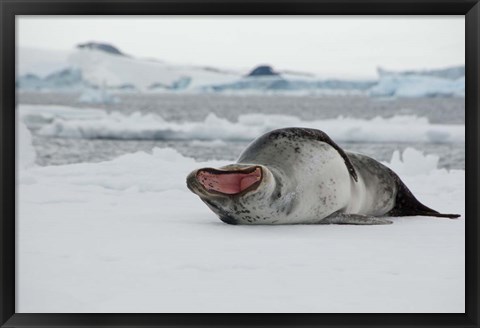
191, 181
230, 182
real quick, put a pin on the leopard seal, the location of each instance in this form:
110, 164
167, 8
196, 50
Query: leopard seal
300, 176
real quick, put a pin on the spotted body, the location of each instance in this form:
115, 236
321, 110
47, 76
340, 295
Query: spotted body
300, 176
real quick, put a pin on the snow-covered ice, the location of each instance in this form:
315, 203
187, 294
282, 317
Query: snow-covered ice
36, 116
127, 236
25, 151
68, 122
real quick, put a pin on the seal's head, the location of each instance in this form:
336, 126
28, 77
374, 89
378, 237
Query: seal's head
237, 193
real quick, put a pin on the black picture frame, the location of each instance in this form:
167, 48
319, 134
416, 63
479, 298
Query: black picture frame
10, 8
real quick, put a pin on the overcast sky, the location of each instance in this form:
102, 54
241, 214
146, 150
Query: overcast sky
350, 46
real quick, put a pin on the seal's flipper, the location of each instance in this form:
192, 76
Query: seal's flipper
407, 205
356, 219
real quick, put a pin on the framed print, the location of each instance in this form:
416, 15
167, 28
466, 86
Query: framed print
246, 164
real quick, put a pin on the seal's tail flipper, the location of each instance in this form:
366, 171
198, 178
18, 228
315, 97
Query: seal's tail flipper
407, 205
439, 215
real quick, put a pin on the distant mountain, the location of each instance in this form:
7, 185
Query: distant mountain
263, 70
108, 48
96, 65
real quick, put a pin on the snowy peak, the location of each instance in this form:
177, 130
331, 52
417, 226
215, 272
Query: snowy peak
263, 70
108, 48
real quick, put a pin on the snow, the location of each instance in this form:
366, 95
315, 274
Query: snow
68, 122
25, 151
127, 235
413, 163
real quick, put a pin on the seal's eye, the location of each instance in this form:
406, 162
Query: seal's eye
230, 182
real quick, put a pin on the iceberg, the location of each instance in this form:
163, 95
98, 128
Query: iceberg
414, 84
451, 73
68, 79
29, 82
95, 65
278, 83
100, 67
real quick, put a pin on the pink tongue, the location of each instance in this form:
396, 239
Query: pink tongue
228, 183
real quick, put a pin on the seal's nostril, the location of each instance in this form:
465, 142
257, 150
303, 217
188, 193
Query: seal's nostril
192, 182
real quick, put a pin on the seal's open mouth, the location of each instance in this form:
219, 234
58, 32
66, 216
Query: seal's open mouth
230, 182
